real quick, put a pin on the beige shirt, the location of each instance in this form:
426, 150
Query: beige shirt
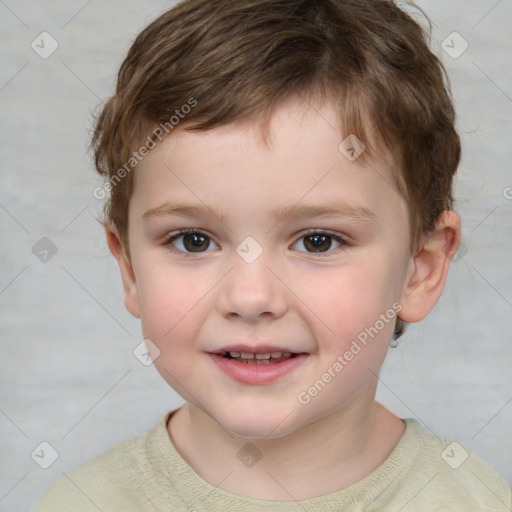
424, 473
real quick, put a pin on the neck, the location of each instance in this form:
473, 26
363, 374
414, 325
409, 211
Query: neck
343, 447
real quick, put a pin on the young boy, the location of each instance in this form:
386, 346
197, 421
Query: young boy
280, 207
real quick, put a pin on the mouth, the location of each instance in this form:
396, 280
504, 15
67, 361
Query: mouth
258, 358
257, 366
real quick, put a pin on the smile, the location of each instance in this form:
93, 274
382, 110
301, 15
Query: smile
265, 358
257, 368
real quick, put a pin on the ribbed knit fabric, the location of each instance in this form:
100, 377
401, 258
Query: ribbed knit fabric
146, 473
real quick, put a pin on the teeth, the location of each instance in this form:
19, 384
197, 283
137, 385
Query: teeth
261, 358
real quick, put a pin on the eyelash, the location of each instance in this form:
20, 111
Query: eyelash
337, 238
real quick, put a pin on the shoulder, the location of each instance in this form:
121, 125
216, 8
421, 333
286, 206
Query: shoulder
110, 481
448, 473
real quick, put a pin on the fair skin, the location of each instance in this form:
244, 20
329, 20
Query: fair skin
308, 299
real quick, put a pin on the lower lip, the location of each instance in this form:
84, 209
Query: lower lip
254, 373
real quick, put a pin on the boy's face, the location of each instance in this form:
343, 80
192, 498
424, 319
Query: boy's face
199, 295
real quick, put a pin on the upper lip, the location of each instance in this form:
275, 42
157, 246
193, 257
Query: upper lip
255, 349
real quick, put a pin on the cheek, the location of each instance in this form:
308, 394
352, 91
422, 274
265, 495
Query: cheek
347, 303
168, 302
173, 307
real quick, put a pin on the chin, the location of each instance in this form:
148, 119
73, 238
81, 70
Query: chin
257, 424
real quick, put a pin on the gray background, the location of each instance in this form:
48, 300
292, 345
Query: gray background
68, 375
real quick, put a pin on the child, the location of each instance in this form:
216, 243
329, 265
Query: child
280, 177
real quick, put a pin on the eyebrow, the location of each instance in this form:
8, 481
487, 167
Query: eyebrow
358, 213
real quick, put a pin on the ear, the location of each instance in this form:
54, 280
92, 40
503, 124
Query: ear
429, 268
131, 299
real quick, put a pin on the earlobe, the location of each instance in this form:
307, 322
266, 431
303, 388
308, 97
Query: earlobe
129, 282
429, 269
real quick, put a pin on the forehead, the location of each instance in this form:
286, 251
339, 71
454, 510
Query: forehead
305, 161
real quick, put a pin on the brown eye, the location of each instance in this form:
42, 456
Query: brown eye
190, 241
319, 242
195, 243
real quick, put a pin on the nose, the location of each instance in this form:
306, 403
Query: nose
252, 291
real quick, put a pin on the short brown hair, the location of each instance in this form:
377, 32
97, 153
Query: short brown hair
238, 59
